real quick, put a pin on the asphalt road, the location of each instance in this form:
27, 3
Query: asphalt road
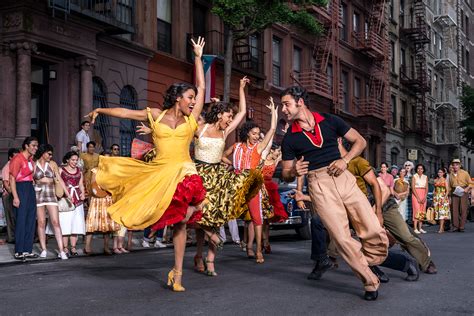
135, 284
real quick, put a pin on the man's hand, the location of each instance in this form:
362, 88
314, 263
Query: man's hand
337, 167
16, 202
301, 167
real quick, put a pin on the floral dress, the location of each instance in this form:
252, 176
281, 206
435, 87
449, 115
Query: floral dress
441, 201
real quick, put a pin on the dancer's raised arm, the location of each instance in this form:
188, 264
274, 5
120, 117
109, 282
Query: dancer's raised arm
137, 115
269, 136
200, 81
242, 107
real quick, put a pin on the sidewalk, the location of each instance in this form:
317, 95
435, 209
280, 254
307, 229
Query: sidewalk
7, 250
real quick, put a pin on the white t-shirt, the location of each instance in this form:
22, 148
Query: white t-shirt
84, 138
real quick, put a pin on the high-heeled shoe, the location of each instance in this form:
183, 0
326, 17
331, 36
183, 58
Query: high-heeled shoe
267, 249
199, 265
250, 253
260, 258
208, 272
220, 244
175, 286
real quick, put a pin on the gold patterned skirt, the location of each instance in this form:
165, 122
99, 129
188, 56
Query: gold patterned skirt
98, 220
228, 192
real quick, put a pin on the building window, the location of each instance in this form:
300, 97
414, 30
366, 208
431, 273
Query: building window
128, 99
467, 27
393, 104
392, 56
99, 100
199, 19
344, 30
329, 74
441, 90
255, 52
164, 25
356, 22
467, 63
297, 57
402, 13
394, 156
357, 88
435, 86
391, 9
276, 61
403, 61
345, 90
463, 62
125, 11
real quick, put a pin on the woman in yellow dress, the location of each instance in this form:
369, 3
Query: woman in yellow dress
167, 190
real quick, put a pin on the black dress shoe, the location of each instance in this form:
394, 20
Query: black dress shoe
413, 273
371, 295
319, 269
383, 277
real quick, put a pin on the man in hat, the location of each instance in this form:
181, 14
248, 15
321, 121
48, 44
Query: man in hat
460, 184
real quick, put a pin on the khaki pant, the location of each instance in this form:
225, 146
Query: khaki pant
459, 210
338, 200
393, 221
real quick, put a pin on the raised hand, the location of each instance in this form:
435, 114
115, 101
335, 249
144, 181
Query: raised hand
244, 81
143, 129
215, 100
198, 47
92, 115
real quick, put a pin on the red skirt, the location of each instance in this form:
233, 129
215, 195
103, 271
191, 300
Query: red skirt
280, 214
189, 192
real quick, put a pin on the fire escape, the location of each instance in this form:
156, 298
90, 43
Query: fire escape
414, 30
320, 79
446, 105
373, 42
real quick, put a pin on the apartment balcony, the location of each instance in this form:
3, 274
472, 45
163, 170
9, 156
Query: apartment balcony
448, 100
316, 82
247, 55
415, 78
371, 107
446, 15
447, 137
448, 59
117, 16
371, 44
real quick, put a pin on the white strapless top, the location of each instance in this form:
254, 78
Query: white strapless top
209, 149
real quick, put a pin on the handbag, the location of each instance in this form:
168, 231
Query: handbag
140, 148
58, 188
430, 214
66, 205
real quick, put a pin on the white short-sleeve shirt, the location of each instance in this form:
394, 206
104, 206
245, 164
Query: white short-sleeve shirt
84, 138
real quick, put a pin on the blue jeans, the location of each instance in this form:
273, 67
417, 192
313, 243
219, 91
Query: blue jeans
158, 235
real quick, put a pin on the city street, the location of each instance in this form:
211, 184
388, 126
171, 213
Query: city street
135, 284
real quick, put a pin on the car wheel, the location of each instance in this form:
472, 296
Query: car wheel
304, 232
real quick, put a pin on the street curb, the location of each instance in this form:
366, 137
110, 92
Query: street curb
47, 260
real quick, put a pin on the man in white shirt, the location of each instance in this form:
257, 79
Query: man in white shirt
82, 137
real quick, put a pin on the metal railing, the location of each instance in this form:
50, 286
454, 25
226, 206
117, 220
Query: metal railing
445, 15
370, 41
370, 107
117, 13
244, 56
446, 137
315, 82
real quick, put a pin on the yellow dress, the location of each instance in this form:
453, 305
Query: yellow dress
142, 191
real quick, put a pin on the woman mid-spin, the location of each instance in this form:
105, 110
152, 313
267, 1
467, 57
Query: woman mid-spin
167, 190
228, 192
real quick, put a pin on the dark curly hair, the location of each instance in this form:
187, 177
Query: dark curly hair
420, 165
216, 109
245, 129
297, 93
69, 155
175, 91
43, 148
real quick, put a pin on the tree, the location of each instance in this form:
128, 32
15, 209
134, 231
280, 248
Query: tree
243, 18
467, 123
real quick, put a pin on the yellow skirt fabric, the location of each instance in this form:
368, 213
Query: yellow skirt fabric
141, 191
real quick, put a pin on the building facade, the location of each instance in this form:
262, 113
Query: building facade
61, 59
425, 83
